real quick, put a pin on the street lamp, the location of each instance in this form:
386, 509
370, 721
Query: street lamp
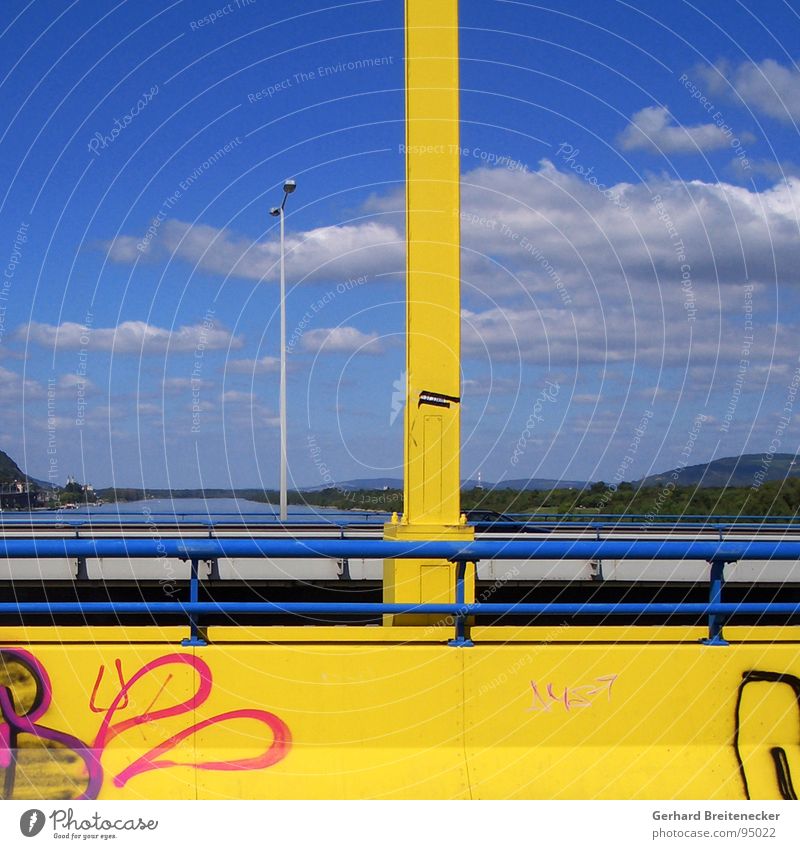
288, 187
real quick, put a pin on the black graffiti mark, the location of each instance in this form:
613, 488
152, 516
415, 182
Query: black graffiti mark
25, 696
779, 758
18, 677
784, 774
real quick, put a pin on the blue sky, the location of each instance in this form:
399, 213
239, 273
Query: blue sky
629, 233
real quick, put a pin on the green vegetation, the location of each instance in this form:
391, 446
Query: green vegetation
9, 470
387, 500
776, 498
74, 493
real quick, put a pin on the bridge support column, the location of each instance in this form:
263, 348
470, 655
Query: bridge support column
432, 479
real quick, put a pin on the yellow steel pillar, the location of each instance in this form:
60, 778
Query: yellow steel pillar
433, 312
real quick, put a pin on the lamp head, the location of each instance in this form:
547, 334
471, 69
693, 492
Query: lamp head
276, 211
289, 186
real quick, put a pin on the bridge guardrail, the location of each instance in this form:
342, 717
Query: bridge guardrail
716, 553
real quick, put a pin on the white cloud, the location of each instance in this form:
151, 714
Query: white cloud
323, 253
234, 396
539, 224
654, 335
262, 365
175, 385
71, 380
13, 387
248, 416
148, 408
129, 337
766, 86
548, 222
653, 128
341, 340
615, 250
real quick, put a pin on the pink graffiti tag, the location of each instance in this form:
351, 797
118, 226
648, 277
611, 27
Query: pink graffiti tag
13, 722
571, 697
100, 673
153, 759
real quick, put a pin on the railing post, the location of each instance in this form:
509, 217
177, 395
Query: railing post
716, 620
461, 640
195, 638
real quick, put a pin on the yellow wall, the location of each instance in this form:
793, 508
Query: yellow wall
524, 714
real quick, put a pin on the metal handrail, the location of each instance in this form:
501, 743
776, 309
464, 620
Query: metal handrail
716, 553
341, 520
209, 548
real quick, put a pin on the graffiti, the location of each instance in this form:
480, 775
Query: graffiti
38, 761
571, 697
764, 765
100, 673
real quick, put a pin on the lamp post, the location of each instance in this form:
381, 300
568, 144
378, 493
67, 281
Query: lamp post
288, 187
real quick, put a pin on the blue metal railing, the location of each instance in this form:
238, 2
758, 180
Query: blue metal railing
346, 518
715, 553
209, 548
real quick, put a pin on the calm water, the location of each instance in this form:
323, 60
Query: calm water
197, 509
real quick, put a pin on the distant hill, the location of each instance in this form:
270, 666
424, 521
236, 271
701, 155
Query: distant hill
9, 470
727, 471
359, 483
540, 484
730, 471
537, 484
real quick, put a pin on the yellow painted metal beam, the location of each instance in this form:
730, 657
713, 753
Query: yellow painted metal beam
432, 475
337, 719
433, 320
